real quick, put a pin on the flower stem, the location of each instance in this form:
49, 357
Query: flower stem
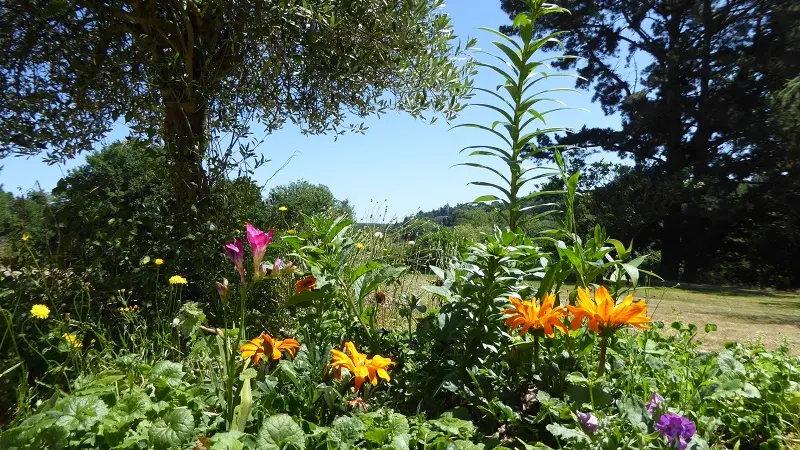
601, 367
536, 354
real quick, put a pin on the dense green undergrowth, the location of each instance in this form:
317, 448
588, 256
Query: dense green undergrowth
295, 349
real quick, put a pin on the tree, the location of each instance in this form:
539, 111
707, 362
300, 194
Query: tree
301, 197
111, 212
696, 115
192, 70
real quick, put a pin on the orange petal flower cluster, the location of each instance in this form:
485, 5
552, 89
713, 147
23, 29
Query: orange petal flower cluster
529, 315
266, 346
306, 284
605, 315
360, 366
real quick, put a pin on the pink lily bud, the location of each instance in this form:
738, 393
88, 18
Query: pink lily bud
235, 252
258, 242
222, 289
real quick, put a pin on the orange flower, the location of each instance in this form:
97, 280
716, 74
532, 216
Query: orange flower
288, 345
360, 366
377, 368
265, 346
605, 316
305, 284
529, 315
253, 350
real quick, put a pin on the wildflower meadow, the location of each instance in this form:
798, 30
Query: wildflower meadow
283, 325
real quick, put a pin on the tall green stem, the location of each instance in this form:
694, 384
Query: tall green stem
601, 366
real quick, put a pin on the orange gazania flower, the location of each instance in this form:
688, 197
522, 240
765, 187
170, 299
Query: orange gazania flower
605, 316
305, 284
529, 315
265, 346
360, 366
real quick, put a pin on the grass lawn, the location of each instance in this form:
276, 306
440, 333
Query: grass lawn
740, 314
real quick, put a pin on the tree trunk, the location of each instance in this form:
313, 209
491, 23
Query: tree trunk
671, 248
186, 138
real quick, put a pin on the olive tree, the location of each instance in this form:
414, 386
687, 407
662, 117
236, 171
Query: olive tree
189, 71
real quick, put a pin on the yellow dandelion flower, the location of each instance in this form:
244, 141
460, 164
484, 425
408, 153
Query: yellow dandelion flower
177, 279
283, 209
292, 231
158, 261
25, 237
360, 246
40, 311
72, 339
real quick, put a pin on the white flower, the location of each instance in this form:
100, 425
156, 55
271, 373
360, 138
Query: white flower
378, 235
412, 242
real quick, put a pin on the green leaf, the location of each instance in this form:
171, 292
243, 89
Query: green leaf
577, 378
728, 363
346, 431
635, 411
173, 430
134, 405
230, 440
632, 272
304, 298
451, 425
568, 434
486, 198
167, 374
749, 391
80, 412
242, 411
280, 430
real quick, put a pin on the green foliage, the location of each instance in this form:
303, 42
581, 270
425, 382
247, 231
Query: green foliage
689, 115
303, 198
181, 366
219, 68
517, 103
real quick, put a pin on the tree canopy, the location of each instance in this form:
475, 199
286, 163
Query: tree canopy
190, 70
692, 81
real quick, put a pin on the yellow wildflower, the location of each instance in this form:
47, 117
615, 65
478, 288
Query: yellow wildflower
283, 209
177, 279
158, 261
40, 311
72, 339
292, 231
360, 246
25, 237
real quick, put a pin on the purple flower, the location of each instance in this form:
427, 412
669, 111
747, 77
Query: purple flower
654, 402
589, 421
235, 252
676, 428
258, 242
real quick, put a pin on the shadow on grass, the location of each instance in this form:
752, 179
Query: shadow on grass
727, 291
762, 319
732, 291
792, 304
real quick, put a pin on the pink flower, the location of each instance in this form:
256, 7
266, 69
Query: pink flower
258, 243
235, 252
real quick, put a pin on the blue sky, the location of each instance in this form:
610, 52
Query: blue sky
400, 165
